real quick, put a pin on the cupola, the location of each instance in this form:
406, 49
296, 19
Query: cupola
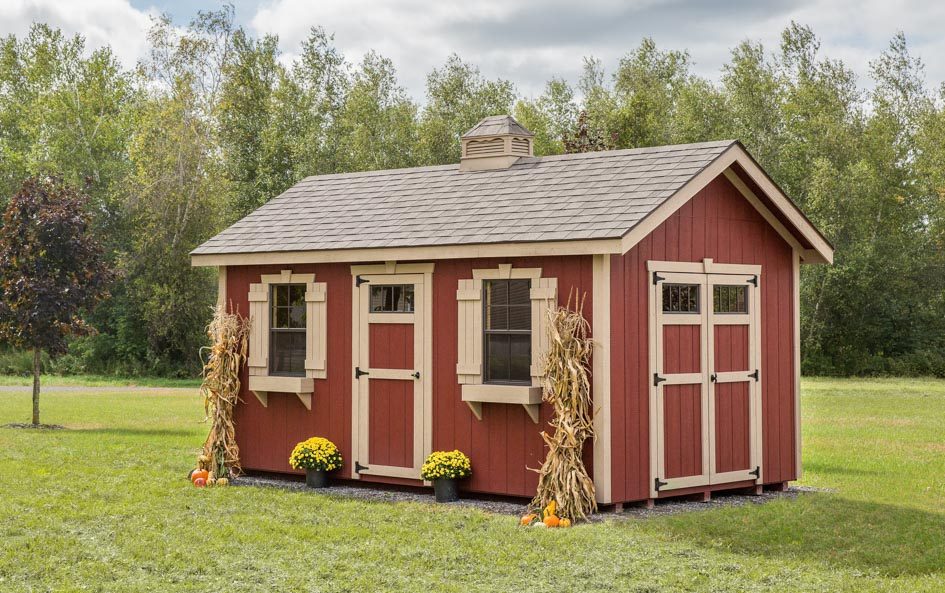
496, 142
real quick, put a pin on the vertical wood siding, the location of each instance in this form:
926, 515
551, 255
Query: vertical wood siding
717, 223
502, 446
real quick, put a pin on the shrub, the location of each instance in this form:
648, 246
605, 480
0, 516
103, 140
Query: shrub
316, 453
446, 464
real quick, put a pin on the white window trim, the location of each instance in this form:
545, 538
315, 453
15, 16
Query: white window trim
261, 383
469, 368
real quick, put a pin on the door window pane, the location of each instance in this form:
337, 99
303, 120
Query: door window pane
680, 298
729, 298
392, 298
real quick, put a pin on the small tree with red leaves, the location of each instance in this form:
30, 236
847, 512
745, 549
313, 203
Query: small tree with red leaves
51, 269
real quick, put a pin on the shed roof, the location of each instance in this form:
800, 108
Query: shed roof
598, 195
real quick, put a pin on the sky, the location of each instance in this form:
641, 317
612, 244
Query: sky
525, 41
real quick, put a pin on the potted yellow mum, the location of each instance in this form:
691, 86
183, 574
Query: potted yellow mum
317, 456
444, 468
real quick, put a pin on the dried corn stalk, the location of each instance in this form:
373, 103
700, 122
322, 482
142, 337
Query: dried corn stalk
566, 386
220, 389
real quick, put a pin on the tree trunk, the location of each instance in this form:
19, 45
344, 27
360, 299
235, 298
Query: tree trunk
37, 359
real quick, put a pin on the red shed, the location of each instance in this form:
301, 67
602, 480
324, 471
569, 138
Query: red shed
400, 312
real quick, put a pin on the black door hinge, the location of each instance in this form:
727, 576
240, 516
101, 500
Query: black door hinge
756, 472
359, 280
754, 375
657, 379
358, 372
657, 278
754, 280
416, 375
358, 467
657, 484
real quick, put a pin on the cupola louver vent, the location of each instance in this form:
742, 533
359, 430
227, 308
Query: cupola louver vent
496, 142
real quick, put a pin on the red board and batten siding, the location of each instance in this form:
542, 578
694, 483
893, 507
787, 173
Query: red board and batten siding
502, 446
717, 223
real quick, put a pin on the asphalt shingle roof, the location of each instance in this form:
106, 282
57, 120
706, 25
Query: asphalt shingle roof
599, 195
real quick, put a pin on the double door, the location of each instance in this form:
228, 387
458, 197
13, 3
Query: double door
705, 370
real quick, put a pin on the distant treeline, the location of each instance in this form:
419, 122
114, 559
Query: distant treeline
214, 123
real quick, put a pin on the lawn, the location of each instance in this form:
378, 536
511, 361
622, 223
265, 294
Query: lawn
103, 506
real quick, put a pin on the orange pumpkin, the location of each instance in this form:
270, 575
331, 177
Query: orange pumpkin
552, 521
200, 474
564, 522
200, 482
527, 519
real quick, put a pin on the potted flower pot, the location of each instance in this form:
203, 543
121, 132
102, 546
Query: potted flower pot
445, 490
316, 478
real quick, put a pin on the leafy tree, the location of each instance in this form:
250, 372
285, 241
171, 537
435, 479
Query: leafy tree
583, 139
551, 117
458, 97
51, 269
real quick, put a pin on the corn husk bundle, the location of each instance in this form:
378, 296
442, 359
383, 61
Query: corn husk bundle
566, 385
228, 333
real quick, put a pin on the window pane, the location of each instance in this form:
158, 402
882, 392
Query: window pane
281, 296
287, 352
497, 292
282, 318
730, 299
680, 298
520, 317
392, 298
519, 292
521, 357
497, 318
497, 357
297, 316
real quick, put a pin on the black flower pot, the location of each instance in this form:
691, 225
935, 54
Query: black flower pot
316, 478
445, 490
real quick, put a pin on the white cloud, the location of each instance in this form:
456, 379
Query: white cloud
529, 41
101, 22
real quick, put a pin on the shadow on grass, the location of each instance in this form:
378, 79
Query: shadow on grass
883, 538
826, 468
138, 432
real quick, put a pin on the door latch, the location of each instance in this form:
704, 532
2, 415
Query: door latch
358, 372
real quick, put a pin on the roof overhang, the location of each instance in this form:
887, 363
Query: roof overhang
773, 205
517, 249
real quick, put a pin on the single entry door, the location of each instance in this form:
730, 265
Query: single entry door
705, 400
681, 382
389, 374
733, 385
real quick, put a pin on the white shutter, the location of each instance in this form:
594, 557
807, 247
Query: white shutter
544, 295
316, 332
469, 337
258, 361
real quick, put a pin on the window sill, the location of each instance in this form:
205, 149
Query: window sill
527, 396
262, 385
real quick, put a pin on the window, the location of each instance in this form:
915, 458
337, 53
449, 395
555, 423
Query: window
392, 298
729, 299
507, 329
680, 298
287, 330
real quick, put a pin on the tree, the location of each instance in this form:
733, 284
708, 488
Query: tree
583, 139
51, 269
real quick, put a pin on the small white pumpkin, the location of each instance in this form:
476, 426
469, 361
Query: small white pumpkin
539, 524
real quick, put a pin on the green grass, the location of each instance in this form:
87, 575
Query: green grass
104, 506
97, 381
